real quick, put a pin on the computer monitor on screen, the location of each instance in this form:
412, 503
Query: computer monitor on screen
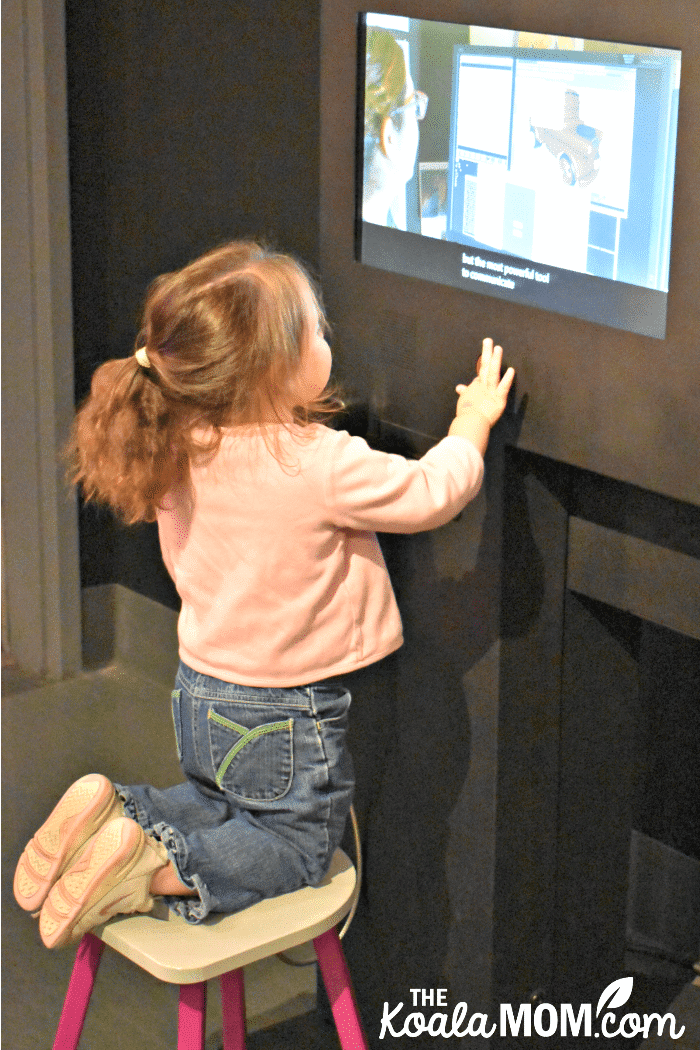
539, 170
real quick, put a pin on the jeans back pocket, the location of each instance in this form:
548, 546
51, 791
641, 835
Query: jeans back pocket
256, 763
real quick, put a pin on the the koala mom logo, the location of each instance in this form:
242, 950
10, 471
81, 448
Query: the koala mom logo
524, 1020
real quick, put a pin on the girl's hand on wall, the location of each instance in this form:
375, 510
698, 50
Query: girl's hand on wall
488, 392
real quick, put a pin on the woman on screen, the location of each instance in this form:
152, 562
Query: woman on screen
393, 109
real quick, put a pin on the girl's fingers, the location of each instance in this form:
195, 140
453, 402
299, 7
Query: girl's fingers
491, 371
505, 384
488, 369
496, 359
485, 359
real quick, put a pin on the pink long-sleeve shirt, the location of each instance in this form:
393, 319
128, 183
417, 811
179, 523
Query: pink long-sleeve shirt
273, 551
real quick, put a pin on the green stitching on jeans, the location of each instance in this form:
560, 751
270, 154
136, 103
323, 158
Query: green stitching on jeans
246, 738
214, 716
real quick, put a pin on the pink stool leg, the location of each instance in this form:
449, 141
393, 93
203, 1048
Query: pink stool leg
75, 1005
233, 1009
336, 978
192, 1016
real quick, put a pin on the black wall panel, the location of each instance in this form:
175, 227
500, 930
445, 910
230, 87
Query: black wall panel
191, 122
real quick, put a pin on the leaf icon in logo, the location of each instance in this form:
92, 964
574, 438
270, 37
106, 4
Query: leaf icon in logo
616, 994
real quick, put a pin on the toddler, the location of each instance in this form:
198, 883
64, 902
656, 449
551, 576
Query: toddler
267, 520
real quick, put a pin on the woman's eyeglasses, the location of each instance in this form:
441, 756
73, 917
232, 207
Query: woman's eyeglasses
419, 101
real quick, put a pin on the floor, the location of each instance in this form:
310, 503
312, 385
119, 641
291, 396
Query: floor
130, 1010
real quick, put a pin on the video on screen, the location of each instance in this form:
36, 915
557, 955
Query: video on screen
537, 169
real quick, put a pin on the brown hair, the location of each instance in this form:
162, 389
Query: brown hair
223, 336
386, 78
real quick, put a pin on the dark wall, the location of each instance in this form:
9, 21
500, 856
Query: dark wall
191, 123
461, 804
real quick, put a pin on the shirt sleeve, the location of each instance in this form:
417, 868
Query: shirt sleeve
383, 492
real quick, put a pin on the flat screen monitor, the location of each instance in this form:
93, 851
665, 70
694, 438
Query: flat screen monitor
537, 169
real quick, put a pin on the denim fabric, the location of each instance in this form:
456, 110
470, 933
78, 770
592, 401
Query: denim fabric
269, 786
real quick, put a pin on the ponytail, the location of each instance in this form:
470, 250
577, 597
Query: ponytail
123, 446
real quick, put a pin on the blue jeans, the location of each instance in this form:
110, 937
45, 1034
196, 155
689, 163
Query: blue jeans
269, 786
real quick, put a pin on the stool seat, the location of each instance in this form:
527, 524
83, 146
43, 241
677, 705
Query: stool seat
180, 952
189, 954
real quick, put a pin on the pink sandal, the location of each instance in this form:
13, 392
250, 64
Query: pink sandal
85, 807
112, 876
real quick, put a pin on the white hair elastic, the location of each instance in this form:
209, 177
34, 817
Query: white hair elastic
142, 357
